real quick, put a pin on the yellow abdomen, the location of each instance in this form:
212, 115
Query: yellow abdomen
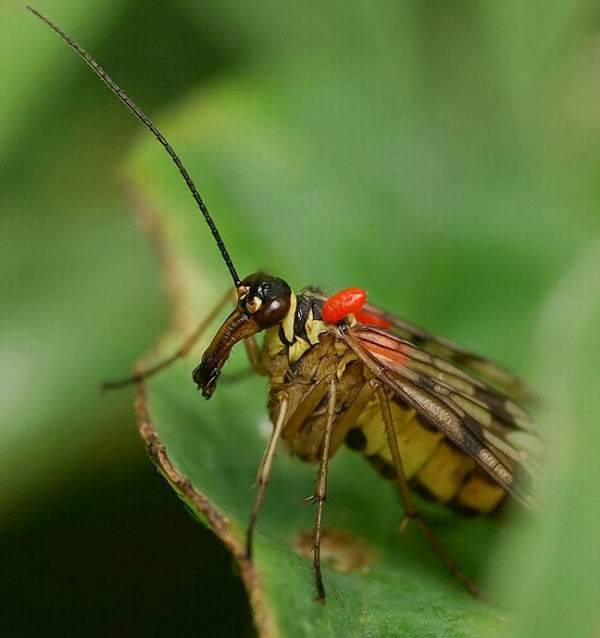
432, 463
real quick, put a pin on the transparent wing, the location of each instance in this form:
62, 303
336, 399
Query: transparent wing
488, 371
483, 422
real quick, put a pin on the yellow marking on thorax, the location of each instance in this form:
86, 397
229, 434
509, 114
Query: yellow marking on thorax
288, 323
273, 344
297, 349
313, 327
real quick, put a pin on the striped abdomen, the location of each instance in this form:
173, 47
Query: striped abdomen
432, 463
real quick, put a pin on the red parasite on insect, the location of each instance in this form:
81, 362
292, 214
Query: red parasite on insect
350, 301
343, 303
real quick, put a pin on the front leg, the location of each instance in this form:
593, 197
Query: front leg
321, 489
295, 419
264, 470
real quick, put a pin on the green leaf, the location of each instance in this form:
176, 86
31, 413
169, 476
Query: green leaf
217, 446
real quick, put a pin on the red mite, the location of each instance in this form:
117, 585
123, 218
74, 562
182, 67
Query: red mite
343, 303
350, 301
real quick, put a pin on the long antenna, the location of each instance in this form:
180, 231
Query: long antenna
147, 122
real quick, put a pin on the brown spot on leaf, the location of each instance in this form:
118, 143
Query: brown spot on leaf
340, 550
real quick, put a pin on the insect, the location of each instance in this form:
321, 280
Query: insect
425, 412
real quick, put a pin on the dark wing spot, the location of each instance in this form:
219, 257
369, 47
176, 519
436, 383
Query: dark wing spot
423, 421
473, 425
401, 403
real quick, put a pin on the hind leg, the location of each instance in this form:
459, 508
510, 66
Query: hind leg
410, 510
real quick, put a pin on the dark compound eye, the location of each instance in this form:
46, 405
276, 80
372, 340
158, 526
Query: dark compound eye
272, 312
267, 299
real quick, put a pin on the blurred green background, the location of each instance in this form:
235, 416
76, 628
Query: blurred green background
444, 156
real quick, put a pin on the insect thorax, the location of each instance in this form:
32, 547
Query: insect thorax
301, 353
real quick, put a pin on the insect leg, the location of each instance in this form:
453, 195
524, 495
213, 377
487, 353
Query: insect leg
308, 405
349, 418
321, 490
264, 471
410, 511
187, 345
